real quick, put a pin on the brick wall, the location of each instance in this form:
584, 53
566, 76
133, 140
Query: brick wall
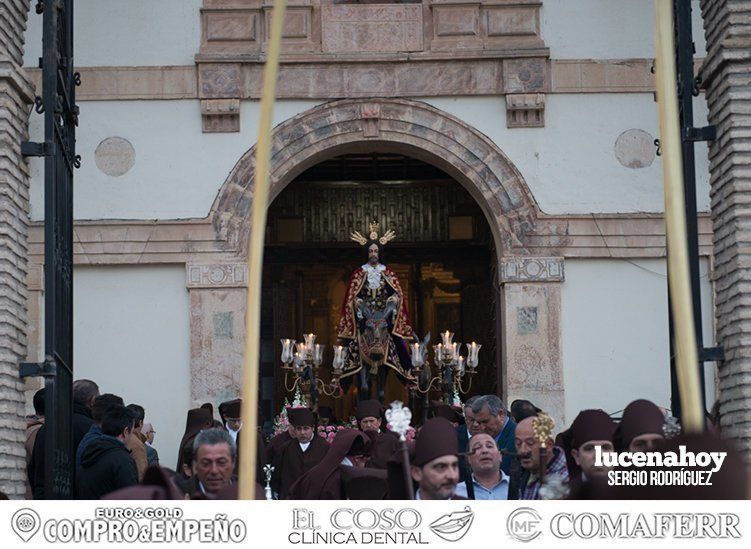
727, 78
15, 95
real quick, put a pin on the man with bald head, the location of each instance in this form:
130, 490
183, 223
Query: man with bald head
528, 446
488, 481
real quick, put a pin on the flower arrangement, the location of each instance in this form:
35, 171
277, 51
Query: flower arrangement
281, 422
328, 432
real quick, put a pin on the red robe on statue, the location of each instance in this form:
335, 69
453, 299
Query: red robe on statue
350, 326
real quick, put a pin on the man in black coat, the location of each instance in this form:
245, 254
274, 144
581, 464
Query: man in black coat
300, 455
84, 393
106, 464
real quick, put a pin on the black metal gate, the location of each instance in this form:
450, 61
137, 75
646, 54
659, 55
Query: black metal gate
688, 88
58, 149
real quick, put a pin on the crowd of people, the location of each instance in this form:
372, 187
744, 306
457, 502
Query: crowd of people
480, 450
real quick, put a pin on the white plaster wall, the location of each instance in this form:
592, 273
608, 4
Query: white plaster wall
167, 32
178, 169
606, 29
111, 33
570, 164
131, 336
615, 334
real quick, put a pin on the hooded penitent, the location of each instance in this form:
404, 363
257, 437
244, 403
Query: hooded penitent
230, 409
437, 438
301, 417
198, 418
447, 412
588, 425
369, 408
641, 417
323, 481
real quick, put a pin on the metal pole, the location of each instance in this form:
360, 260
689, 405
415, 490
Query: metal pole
675, 220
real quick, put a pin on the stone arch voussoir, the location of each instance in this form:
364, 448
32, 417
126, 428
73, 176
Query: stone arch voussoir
385, 125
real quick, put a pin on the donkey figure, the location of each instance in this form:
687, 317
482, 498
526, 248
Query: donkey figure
374, 340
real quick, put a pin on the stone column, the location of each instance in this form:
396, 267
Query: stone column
16, 93
532, 366
726, 75
218, 293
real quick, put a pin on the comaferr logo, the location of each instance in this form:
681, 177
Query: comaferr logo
453, 526
647, 526
524, 524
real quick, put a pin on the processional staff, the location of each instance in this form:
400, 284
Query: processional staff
679, 282
247, 470
399, 418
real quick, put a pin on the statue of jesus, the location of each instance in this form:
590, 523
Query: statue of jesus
374, 322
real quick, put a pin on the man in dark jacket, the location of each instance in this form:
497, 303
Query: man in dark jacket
490, 417
106, 464
102, 403
84, 393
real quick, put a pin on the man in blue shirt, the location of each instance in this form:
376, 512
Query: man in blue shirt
490, 417
488, 481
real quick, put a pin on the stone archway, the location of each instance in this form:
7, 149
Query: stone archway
531, 294
384, 125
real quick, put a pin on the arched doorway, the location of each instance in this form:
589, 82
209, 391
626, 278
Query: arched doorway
530, 365
443, 255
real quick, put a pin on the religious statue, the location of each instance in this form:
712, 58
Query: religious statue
374, 322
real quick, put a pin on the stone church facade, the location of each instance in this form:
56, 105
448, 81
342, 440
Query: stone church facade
542, 110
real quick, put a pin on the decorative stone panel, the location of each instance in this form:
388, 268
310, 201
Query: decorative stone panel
512, 20
348, 28
217, 342
533, 367
488, 25
525, 75
220, 275
301, 31
219, 80
532, 269
362, 49
458, 25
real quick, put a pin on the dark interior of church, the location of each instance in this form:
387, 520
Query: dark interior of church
442, 255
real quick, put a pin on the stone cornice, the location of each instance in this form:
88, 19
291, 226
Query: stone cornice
181, 82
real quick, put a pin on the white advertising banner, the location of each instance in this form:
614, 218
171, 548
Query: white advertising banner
445, 524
